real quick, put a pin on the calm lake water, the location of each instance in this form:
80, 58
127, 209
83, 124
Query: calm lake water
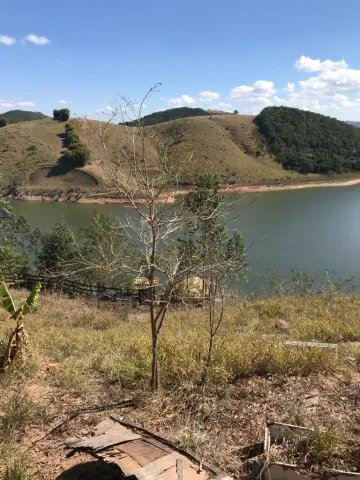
309, 230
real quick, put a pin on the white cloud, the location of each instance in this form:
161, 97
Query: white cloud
209, 96
105, 109
290, 87
280, 101
181, 101
37, 40
259, 93
26, 104
224, 105
8, 41
63, 102
345, 81
308, 64
6, 104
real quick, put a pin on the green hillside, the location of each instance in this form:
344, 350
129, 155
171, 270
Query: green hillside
170, 114
16, 116
308, 142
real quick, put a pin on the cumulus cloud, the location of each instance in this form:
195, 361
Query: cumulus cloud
6, 104
209, 96
308, 64
181, 101
26, 104
259, 93
6, 40
37, 40
345, 81
63, 102
290, 87
13, 104
224, 105
107, 109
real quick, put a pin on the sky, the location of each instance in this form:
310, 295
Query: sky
212, 54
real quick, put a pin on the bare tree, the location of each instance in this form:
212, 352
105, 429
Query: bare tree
144, 172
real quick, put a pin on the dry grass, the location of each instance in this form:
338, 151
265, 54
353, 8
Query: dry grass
104, 356
228, 144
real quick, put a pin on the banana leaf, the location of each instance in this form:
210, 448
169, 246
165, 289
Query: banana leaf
6, 299
32, 299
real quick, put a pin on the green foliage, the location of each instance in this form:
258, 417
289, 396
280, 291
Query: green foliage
103, 246
221, 255
168, 115
61, 115
15, 244
78, 154
55, 249
32, 300
309, 142
6, 299
236, 112
29, 305
3, 122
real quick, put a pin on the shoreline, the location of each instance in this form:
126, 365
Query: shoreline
170, 197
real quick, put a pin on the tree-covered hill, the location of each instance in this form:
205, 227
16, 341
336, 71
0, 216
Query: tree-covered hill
171, 114
308, 142
16, 116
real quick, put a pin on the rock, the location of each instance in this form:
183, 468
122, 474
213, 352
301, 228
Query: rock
53, 367
283, 325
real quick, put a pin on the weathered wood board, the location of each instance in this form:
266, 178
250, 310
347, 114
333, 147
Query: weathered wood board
138, 456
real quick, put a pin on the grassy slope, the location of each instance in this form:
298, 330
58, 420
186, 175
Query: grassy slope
104, 356
228, 144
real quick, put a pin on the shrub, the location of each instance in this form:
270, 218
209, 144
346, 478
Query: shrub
4, 122
80, 154
61, 115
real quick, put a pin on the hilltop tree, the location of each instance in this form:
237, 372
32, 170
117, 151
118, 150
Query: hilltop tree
4, 122
61, 115
236, 112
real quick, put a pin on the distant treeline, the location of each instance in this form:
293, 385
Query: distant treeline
309, 142
167, 115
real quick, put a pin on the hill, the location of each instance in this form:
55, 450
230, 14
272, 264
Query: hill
228, 144
171, 114
309, 142
16, 116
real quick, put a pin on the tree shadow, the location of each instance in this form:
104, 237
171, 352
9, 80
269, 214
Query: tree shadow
95, 470
65, 163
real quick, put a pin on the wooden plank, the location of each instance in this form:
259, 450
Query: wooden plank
99, 442
142, 451
126, 464
151, 470
109, 424
192, 456
158, 444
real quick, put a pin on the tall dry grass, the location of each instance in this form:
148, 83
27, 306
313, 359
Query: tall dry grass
102, 345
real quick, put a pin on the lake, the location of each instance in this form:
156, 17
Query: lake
309, 230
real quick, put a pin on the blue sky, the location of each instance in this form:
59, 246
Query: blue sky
240, 55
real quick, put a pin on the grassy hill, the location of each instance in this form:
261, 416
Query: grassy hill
174, 114
16, 116
228, 144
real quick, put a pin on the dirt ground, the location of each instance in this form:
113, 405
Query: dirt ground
216, 425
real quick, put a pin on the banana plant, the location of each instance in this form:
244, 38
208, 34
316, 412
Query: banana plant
16, 346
